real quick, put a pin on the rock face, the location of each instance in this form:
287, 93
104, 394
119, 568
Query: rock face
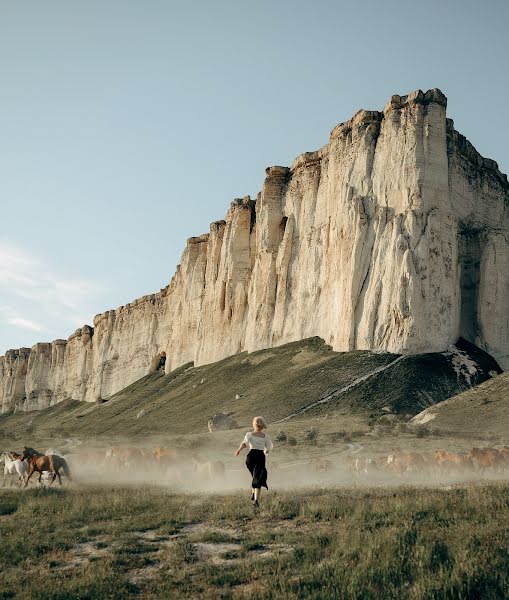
393, 237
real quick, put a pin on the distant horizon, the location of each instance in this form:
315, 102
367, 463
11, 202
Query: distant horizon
127, 129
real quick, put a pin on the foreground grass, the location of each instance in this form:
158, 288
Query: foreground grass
332, 543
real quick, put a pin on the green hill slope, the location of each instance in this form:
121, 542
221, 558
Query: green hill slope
482, 410
299, 380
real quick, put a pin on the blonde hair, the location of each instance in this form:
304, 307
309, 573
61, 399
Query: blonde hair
259, 423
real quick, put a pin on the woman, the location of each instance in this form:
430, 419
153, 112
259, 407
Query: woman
259, 444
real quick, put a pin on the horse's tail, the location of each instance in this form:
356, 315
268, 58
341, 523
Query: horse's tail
66, 469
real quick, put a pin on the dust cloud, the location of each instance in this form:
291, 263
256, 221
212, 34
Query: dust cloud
214, 470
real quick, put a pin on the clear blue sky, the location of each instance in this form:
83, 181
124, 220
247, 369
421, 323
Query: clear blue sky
128, 126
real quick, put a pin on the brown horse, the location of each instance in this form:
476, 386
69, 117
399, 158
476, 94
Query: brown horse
321, 464
52, 463
27, 451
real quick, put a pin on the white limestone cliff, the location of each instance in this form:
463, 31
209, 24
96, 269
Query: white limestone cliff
392, 237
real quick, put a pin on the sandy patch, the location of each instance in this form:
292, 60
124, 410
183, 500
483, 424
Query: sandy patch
213, 552
306, 358
424, 417
256, 360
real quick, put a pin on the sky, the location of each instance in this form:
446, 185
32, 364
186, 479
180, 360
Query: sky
127, 126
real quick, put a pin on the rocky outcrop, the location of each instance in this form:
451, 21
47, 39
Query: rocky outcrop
221, 422
392, 237
13, 375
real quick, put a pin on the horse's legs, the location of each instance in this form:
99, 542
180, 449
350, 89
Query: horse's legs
28, 478
55, 473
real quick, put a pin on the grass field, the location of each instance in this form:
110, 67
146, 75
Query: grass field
106, 542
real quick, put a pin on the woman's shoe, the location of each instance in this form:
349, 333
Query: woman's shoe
256, 504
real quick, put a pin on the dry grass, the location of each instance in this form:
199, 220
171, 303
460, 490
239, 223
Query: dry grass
321, 543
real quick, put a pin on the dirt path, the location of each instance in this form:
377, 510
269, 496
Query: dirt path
72, 442
351, 449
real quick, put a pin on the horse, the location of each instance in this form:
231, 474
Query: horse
28, 451
486, 458
209, 468
14, 465
124, 457
43, 463
166, 456
321, 464
453, 463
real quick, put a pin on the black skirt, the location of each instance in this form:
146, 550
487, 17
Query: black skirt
255, 462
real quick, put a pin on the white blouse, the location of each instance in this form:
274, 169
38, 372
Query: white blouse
253, 442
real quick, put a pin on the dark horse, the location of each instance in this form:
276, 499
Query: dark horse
40, 462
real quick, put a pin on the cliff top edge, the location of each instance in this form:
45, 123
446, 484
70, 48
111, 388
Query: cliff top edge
361, 117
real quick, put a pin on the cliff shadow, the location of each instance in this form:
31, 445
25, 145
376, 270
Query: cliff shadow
469, 256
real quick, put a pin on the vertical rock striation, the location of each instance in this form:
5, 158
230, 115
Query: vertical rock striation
392, 237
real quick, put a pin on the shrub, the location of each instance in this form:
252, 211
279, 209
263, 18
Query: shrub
422, 431
441, 557
184, 553
310, 434
281, 436
402, 428
336, 436
291, 441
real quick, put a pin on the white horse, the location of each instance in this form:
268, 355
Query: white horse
13, 466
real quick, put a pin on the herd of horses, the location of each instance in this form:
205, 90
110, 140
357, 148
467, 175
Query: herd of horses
441, 463
119, 459
176, 463
32, 461
180, 464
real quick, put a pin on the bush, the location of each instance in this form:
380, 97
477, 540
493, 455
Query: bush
291, 441
402, 428
281, 436
336, 436
422, 431
383, 430
311, 434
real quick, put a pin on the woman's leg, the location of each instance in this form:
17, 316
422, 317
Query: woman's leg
257, 494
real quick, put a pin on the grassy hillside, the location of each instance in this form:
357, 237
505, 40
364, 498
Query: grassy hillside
304, 379
480, 410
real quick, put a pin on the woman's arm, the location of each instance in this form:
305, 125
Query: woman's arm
268, 443
241, 447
